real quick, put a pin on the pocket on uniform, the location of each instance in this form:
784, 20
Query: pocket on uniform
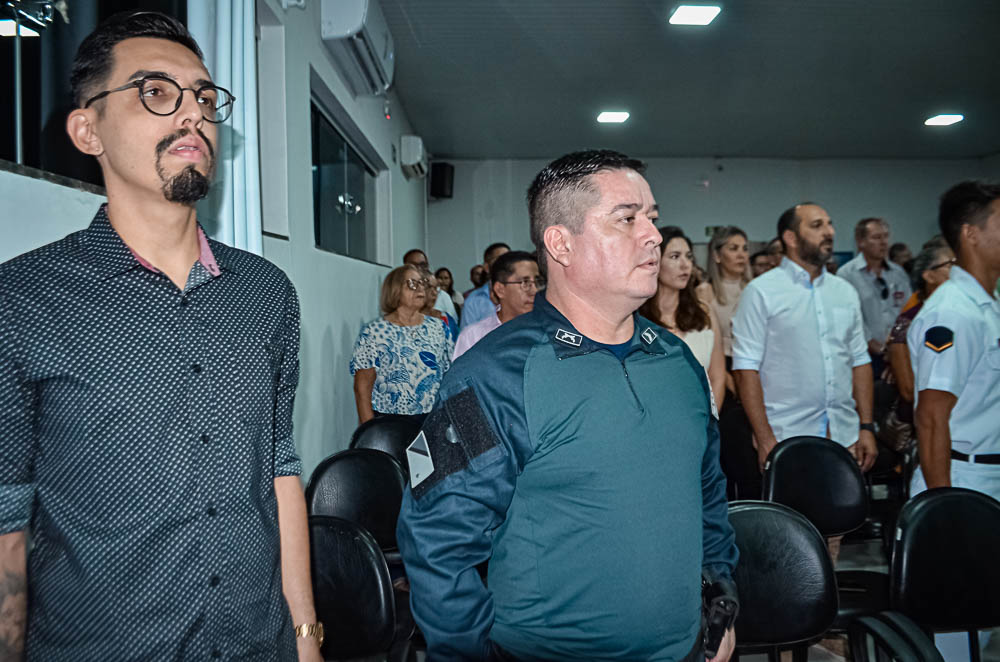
993, 357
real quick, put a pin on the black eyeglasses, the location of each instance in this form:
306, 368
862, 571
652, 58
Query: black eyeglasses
163, 96
946, 263
885, 287
527, 283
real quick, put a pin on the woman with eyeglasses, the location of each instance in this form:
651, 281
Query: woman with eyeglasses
400, 357
677, 308
931, 267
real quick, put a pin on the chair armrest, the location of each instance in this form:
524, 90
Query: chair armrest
918, 639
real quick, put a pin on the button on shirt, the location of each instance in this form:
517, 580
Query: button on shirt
141, 429
970, 368
804, 337
879, 314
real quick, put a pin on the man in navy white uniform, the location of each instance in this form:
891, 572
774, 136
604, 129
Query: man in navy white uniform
955, 351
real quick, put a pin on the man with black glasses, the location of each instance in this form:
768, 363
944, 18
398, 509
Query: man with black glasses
515, 281
147, 377
882, 285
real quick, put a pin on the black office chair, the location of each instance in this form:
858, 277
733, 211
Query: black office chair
893, 637
353, 594
787, 591
387, 434
945, 567
820, 479
363, 486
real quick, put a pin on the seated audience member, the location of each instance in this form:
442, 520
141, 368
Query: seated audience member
400, 357
447, 285
677, 308
900, 254
431, 287
931, 267
442, 301
760, 262
515, 281
882, 285
479, 304
775, 250
478, 276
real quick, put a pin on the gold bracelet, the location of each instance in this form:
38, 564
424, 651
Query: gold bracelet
310, 630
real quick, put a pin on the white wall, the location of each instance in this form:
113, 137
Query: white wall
488, 203
37, 212
337, 294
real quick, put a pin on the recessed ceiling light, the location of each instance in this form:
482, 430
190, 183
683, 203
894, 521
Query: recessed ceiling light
612, 117
694, 14
8, 28
943, 120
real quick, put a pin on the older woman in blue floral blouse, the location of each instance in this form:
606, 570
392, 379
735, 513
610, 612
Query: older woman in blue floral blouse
400, 357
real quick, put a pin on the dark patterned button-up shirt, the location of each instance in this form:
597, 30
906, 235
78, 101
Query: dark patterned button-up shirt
141, 429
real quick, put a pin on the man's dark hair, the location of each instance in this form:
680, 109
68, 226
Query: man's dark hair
861, 229
758, 254
413, 251
896, 249
94, 60
967, 203
492, 247
553, 197
789, 220
503, 268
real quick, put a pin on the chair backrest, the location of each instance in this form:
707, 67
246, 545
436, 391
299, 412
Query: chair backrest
787, 588
387, 434
945, 566
360, 485
820, 479
352, 589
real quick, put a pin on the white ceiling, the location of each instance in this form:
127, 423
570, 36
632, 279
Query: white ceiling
769, 78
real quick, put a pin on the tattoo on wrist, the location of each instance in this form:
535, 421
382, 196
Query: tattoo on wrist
13, 615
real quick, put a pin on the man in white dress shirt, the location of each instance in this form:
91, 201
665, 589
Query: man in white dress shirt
799, 353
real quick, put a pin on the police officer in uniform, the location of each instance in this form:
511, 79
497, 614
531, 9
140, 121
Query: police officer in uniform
954, 347
576, 449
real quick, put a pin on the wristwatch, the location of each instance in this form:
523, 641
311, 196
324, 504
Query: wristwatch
310, 630
868, 426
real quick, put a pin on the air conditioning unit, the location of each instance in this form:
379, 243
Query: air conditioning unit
358, 37
412, 157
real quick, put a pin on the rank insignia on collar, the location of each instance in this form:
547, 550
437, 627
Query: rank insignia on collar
939, 338
568, 337
648, 336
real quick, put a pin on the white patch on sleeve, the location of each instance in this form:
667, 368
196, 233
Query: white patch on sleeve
419, 456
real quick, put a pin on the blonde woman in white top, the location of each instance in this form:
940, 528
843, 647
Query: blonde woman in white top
676, 307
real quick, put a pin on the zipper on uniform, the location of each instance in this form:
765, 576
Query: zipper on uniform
628, 380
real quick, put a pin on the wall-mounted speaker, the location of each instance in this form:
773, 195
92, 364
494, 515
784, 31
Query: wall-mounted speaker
442, 179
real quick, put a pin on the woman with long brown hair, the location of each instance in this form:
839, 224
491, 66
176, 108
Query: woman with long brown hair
677, 308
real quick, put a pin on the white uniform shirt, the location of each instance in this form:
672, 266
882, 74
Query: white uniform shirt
804, 338
878, 314
445, 304
968, 368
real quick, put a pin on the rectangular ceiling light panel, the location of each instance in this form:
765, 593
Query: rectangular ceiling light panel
8, 28
694, 14
612, 117
943, 120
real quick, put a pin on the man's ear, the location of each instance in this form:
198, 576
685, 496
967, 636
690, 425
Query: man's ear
558, 242
791, 241
82, 130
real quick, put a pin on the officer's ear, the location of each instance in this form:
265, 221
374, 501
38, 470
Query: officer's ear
558, 244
